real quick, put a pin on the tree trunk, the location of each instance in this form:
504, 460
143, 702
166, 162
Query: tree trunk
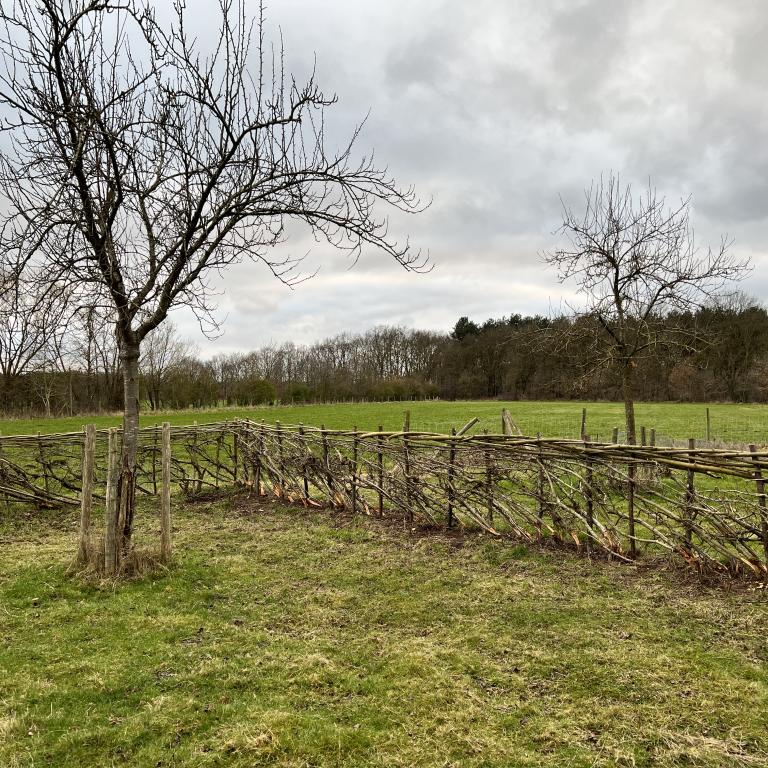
129, 359
627, 390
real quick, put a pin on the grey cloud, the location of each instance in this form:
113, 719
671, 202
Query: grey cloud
499, 107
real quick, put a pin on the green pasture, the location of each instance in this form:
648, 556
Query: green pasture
730, 423
287, 637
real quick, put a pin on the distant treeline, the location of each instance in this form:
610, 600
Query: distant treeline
718, 353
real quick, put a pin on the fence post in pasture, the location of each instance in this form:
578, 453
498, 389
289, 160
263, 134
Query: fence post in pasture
709, 427
219, 440
504, 425
257, 458
588, 492
451, 475
488, 482
354, 469
111, 504
154, 461
407, 469
86, 499
760, 483
380, 468
304, 453
653, 437
583, 430
690, 494
615, 436
165, 503
542, 502
631, 470
643, 436
326, 466
6, 497
280, 461
235, 452
43, 464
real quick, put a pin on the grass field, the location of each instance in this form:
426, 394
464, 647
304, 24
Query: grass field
288, 638
729, 422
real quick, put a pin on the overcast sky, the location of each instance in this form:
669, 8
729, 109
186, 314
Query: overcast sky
496, 109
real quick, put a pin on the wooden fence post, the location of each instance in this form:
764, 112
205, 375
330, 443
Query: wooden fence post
690, 495
354, 469
280, 461
488, 483
541, 490
407, 469
43, 464
304, 463
111, 507
154, 461
709, 427
86, 499
165, 504
380, 461
326, 467
451, 475
761, 501
2, 475
583, 430
235, 453
615, 436
588, 493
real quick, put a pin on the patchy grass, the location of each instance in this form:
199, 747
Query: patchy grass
288, 638
729, 422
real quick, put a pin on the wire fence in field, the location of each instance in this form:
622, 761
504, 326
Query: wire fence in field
705, 506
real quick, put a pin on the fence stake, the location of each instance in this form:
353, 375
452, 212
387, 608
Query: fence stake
709, 430
542, 503
588, 493
280, 458
111, 505
690, 495
235, 453
451, 475
380, 461
488, 482
407, 469
354, 469
615, 436
257, 457
6, 497
165, 505
43, 464
154, 461
583, 422
304, 463
326, 466
86, 499
761, 500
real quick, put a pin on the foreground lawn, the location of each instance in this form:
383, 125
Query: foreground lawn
728, 422
288, 638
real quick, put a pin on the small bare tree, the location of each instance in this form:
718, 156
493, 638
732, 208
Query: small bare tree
635, 261
162, 350
140, 165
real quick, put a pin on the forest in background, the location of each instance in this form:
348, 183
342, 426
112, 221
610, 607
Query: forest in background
52, 367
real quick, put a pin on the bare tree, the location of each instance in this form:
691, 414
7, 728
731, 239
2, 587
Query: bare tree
32, 319
162, 350
140, 165
635, 261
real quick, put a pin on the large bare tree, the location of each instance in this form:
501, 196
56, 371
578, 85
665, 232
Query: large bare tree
138, 164
635, 261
